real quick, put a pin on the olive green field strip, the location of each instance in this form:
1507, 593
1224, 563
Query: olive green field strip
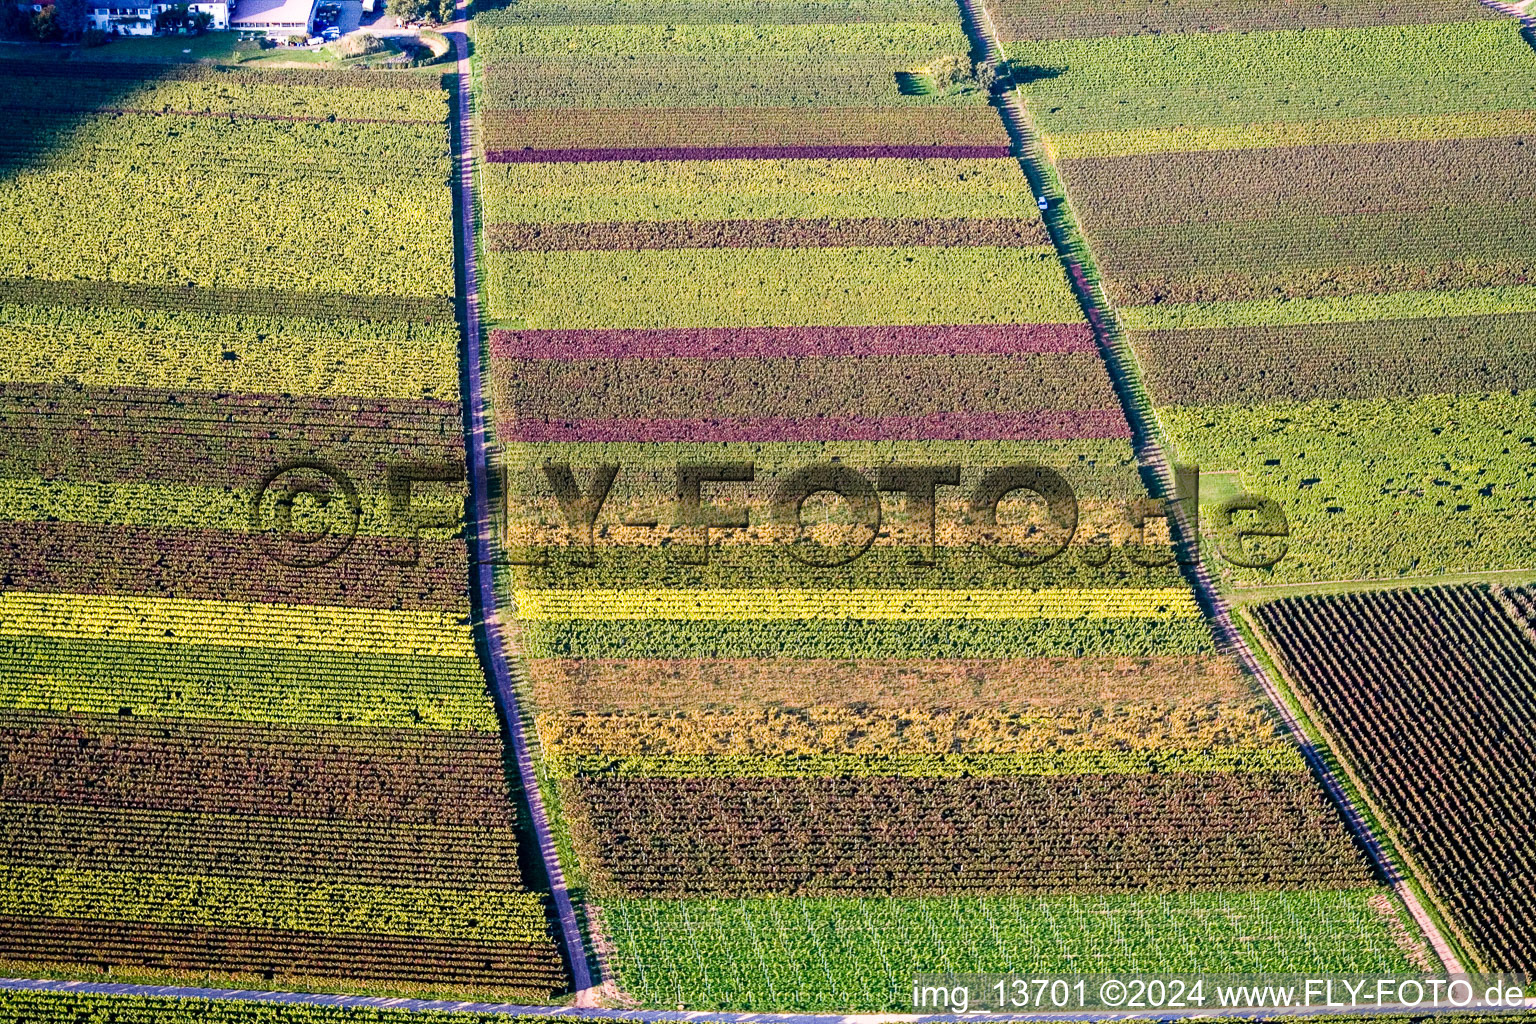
663, 82
737, 566
910, 40
123, 344
1397, 76
302, 907
638, 193
767, 234
776, 287
234, 624
404, 253
717, 12
1381, 487
1020, 21
150, 679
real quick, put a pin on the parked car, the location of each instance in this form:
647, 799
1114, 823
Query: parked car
331, 34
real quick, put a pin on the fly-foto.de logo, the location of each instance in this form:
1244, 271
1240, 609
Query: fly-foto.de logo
307, 513
1021, 515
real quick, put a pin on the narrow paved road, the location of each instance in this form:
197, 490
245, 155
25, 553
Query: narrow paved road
482, 543
1072, 247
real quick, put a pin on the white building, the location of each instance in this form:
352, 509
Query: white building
275, 17
137, 17
124, 20
217, 9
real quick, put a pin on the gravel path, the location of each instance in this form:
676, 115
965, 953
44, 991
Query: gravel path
482, 547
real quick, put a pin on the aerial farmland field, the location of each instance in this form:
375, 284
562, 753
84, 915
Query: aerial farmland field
783, 507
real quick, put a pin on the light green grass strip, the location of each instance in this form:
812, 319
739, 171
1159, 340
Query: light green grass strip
294, 906
778, 287
843, 955
1162, 81
1272, 758
1331, 309
1190, 138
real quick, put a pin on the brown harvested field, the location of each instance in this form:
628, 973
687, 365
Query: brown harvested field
227, 565
1138, 288
1369, 359
1061, 19
403, 776
769, 234
83, 838
1410, 177
1482, 235
1176, 832
271, 953
748, 127
772, 730
645, 684
1312, 220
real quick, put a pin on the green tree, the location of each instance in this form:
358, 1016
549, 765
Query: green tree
407, 10
949, 72
70, 15
45, 26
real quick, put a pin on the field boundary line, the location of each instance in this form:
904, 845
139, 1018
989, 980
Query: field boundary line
1447, 579
482, 553
1151, 448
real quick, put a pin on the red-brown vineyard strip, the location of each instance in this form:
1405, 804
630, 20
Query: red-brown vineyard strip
1432, 693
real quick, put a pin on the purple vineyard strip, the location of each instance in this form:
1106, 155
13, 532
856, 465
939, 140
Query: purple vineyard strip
866, 152
770, 234
792, 342
1021, 426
